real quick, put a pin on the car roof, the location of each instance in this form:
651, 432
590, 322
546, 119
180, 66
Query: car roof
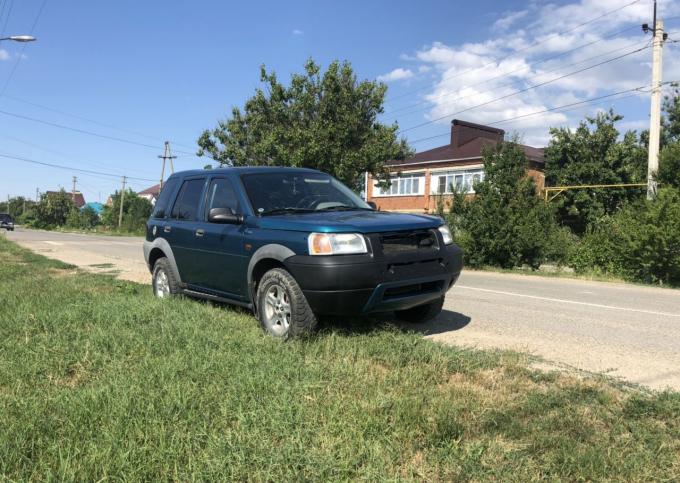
239, 170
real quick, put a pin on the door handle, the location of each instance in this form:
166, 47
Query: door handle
167, 228
200, 232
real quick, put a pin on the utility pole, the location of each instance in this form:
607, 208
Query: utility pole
37, 195
122, 198
655, 112
73, 191
166, 156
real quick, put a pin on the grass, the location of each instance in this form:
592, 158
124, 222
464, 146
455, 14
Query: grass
100, 380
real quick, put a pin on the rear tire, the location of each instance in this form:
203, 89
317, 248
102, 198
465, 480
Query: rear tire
421, 313
282, 308
163, 279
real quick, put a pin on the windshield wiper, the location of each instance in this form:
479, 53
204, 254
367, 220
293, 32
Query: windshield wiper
289, 209
345, 208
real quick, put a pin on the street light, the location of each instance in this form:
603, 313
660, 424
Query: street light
20, 38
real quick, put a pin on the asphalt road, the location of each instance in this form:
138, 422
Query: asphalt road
626, 331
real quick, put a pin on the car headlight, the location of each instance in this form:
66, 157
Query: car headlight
336, 243
446, 234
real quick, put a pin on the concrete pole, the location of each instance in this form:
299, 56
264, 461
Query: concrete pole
655, 113
122, 199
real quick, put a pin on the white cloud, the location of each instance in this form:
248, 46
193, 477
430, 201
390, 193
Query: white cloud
396, 75
297, 32
4, 55
509, 19
492, 71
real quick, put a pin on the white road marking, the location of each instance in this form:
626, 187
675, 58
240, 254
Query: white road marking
574, 302
49, 242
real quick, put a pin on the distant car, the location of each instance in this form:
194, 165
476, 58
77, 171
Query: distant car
6, 222
292, 244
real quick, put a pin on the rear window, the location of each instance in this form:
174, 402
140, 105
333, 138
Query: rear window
161, 207
188, 199
5, 217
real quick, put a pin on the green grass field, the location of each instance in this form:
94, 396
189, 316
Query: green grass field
99, 380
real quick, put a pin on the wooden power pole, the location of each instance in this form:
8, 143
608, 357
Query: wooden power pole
166, 156
122, 199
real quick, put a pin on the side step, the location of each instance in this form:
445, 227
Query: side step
216, 298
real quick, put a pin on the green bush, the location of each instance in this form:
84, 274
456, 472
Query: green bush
53, 210
506, 224
136, 211
640, 243
84, 219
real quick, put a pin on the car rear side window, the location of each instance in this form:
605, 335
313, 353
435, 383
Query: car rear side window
188, 199
222, 195
160, 209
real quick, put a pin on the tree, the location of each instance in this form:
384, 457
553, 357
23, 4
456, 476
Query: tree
641, 242
53, 209
505, 224
136, 211
669, 158
84, 219
593, 154
323, 121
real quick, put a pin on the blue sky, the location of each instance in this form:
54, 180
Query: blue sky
150, 71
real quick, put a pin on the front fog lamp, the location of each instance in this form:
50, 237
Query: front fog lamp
336, 243
446, 234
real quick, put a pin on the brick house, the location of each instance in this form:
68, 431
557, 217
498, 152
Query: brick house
77, 197
151, 193
418, 182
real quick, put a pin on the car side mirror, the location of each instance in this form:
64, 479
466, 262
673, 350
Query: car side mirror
372, 205
225, 216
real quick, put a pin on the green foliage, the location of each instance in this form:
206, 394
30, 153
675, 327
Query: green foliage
505, 224
592, 154
641, 242
53, 210
84, 219
136, 211
323, 121
99, 380
669, 165
16, 206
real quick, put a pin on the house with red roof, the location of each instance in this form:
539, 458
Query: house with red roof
419, 182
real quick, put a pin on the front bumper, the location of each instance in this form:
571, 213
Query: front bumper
361, 284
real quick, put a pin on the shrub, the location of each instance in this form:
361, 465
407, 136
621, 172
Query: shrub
136, 211
506, 224
84, 219
641, 242
52, 210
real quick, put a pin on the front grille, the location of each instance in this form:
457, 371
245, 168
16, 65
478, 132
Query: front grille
415, 289
422, 241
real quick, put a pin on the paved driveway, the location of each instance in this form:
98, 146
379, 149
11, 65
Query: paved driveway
625, 330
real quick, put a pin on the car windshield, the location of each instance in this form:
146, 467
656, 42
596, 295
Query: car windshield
273, 193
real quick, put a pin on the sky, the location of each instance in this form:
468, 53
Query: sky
106, 83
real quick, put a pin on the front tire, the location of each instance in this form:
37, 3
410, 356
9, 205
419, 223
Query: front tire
163, 279
421, 313
282, 308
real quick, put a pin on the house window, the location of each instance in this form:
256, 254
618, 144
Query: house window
404, 185
461, 180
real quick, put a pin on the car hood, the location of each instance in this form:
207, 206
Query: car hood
349, 221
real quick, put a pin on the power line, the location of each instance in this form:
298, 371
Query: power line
521, 80
9, 12
71, 168
544, 111
534, 86
90, 120
535, 44
524, 67
59, 153
23, 48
